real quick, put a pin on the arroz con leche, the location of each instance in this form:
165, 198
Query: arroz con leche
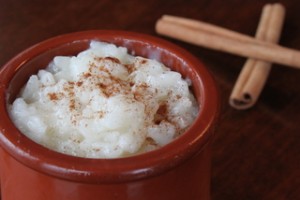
104, 103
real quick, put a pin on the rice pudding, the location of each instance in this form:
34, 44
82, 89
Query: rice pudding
104, 103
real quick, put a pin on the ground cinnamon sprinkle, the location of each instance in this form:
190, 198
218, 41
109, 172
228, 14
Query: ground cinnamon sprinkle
144, 61
143, 86
139, 91
105, 89
72, 104
130, 68
137, 96
86, 75
79, 83
150, 141
113, 59
53, 96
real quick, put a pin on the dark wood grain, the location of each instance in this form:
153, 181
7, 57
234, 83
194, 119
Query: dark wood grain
256, 153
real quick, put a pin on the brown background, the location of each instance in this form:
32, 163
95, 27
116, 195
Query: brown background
256, 153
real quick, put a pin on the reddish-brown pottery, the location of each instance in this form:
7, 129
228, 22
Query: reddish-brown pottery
178, 171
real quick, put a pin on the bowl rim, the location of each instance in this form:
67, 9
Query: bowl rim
130, 168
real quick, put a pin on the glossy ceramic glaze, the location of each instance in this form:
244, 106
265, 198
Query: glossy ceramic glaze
177, 171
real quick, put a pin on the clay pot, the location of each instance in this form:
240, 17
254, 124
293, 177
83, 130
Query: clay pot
177, 171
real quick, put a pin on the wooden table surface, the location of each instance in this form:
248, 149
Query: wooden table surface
256, 153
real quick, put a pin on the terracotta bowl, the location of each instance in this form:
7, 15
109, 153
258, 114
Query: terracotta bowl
179, 170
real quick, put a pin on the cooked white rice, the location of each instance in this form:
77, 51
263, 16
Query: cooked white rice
104, 103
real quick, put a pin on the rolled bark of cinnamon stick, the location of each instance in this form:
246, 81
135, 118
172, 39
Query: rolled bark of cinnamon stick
254, 74
252, 48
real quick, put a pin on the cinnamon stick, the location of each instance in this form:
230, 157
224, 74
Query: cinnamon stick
203, 26
214, 39
254, 74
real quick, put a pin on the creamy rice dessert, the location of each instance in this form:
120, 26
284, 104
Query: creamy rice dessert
104, 103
